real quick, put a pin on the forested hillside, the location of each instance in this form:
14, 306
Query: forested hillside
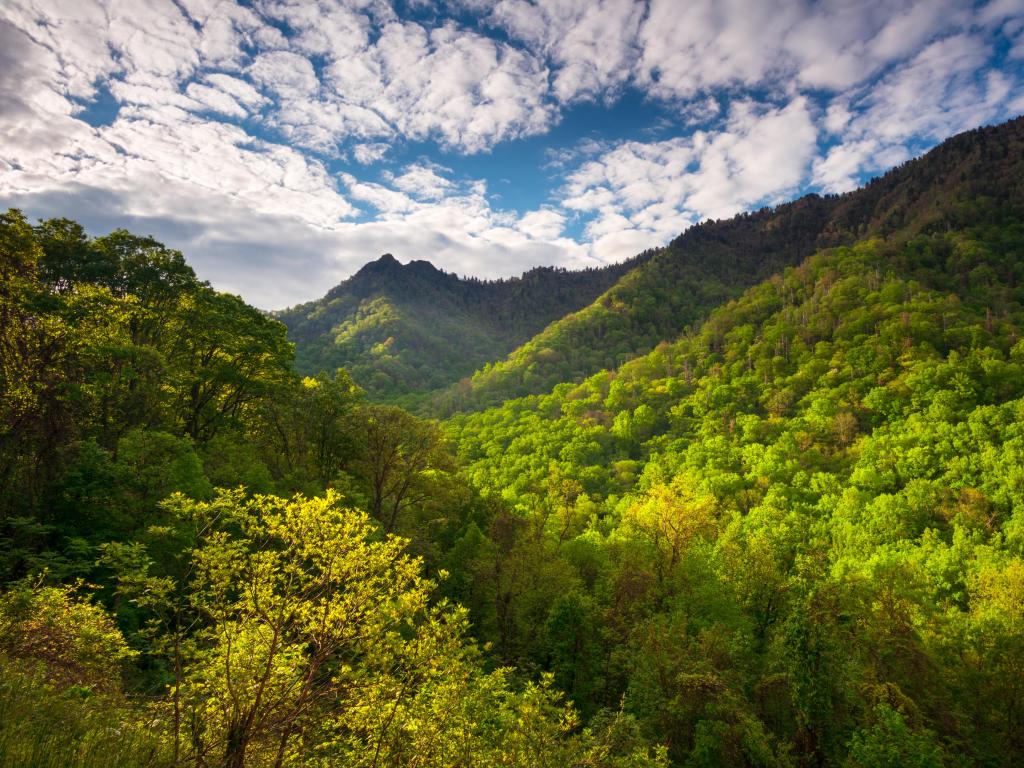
795, 535
714, 261
150, 617
791, 535
402, 330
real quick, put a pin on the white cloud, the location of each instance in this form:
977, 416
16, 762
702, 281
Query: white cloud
159, 41
365, 154
289, 75
642, 194
384, 199
232, 119
155, 158
423, 182
658, 188
215, 100
709, 44
76, 38
544, 224
322, 28
591, 43
996, 12
676, 50
934, 95
700, 45
466, 90
240, 90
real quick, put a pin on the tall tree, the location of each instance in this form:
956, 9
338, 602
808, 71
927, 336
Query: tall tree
400, 459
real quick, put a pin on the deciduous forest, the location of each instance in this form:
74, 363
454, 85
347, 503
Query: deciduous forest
752, 499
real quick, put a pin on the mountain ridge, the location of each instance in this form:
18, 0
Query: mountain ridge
402, 329
715, 260
429, 339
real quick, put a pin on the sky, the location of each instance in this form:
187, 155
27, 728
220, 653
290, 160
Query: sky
282, 144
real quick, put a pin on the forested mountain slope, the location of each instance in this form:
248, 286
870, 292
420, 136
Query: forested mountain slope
714, 261
795, 535
405, 329
150, 618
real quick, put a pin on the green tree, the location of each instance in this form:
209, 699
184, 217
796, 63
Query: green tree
890, 743
75, 641
224, 358
308, 433
401, 459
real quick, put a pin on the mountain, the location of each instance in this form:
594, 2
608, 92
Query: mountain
794, 534
415, 334
716, 260
401, 329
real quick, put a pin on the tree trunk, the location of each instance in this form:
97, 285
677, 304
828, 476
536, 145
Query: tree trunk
238, 742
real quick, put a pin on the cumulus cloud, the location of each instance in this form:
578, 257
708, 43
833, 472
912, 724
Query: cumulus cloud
707, 44
545, 224
76, 39
282, 143
655, 190
365, 154
591, 43
464, 89
215, 100
943, 90
325, 28
423, 182
286, 74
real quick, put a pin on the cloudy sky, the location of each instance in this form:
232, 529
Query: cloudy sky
283, 143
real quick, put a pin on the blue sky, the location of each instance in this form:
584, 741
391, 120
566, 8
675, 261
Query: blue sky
281, 144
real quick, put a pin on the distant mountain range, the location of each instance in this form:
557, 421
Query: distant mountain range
415, 334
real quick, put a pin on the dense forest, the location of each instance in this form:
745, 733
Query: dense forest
402, 330
772, 515
210, 560
674, 288
437, 344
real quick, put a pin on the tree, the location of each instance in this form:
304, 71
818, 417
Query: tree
24, 345
225, 357
61, 664
669, 517
400, 459
308, 434
314, 640
75, 640
298, 611
890, 743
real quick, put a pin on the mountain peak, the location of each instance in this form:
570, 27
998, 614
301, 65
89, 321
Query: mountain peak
394, 272
386, 264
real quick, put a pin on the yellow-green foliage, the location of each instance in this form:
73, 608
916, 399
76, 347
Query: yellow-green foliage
61, 659
805, 530
792, 535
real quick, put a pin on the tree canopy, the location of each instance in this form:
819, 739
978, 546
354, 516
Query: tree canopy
789, 533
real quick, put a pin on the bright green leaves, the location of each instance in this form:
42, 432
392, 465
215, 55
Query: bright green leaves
75, 642
302, 636
298, 607
890, 742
